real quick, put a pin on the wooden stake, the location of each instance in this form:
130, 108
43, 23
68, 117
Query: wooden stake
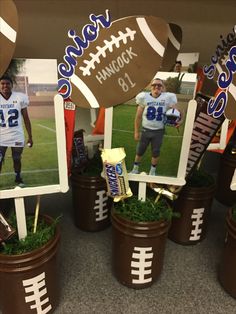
20, 217
36, 213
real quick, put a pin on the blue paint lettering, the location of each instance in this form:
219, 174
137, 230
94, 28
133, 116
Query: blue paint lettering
214, 59
100, 19
217, 106
64, 88
112, 179
209, 71
219, 49
90, 33
71, 53
223, 81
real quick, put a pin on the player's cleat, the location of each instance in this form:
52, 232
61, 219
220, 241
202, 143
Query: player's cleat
152, 171
135, 170
19, 180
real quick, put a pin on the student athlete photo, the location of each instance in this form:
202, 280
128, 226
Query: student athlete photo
13, 112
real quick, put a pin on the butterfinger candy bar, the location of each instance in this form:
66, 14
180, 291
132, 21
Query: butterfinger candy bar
115, 173
6, 231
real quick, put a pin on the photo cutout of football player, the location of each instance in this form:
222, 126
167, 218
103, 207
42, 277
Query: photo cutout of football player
151, 118
178, 67
13, 111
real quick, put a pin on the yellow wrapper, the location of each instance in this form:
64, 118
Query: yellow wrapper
115, 173
169, 191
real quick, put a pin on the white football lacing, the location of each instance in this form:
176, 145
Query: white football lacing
101, 51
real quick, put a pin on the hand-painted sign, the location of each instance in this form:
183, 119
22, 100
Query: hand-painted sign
112, 64
222, 69
90, 33
8, 33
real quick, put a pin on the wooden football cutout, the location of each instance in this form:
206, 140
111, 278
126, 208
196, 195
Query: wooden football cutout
8, 33
229, 112
172, 48
120, 62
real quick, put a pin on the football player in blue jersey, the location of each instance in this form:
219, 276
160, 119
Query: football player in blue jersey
150, 114
13, 110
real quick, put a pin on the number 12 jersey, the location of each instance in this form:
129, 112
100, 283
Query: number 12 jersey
11, 129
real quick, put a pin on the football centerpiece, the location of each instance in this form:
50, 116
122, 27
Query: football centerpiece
112, 57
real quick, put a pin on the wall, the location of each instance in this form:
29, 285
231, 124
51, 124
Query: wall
44, 23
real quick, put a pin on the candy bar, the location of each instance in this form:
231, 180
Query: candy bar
114, 170
204, 129
79, 156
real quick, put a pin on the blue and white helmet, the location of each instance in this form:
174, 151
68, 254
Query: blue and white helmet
172, 117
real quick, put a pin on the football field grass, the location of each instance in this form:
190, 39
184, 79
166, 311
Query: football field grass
39, 163
123, 136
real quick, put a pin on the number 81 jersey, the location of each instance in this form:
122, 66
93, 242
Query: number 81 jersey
11, 129
155, 108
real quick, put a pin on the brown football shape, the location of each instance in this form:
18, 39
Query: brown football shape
120, 63
8, 33
172, 48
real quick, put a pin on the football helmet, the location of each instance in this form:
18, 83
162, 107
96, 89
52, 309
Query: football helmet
172, 117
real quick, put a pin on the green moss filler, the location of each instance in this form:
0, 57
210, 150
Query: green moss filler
148, 211
94, 166
33, 241
200, 178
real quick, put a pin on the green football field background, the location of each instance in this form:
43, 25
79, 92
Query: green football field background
39, 163
123, 136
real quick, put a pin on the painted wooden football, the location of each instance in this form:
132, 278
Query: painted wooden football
120, 62
230, 92
172, 47
8, 33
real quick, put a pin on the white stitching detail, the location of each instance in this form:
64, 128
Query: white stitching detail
101, 51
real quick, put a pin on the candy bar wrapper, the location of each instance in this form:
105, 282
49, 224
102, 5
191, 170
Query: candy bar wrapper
114, 170
204, 130
209, 115
79, 155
